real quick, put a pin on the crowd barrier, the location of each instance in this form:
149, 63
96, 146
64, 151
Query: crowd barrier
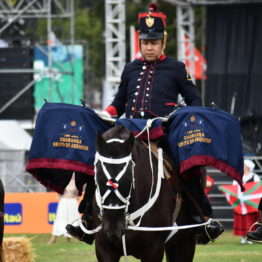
30, 212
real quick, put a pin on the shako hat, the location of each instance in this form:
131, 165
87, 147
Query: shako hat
152, 24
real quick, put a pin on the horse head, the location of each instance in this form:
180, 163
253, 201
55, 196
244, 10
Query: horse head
114, 179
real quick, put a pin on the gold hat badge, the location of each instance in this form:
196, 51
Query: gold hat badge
150, 21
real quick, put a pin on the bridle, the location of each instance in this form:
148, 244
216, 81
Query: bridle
111, 183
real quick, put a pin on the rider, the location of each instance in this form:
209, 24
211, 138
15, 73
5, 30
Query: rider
150, 86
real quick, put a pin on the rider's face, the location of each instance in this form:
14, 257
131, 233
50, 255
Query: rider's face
151, 49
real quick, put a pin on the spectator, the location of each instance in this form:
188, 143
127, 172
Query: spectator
242, 222
67, 212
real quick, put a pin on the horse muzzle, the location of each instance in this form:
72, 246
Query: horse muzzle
113, 228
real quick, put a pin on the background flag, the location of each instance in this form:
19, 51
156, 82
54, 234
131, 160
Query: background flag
243, 202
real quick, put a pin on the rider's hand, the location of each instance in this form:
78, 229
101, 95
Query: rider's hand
105, 113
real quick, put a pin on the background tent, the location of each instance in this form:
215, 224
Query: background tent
14, 144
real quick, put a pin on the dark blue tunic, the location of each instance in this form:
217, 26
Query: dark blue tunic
148, 90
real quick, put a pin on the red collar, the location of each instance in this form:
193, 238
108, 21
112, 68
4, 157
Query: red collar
162, 57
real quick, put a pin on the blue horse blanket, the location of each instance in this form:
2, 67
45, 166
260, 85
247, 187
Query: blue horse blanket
64, 142
201, 136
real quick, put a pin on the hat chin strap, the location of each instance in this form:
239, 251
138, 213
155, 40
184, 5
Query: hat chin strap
164, 41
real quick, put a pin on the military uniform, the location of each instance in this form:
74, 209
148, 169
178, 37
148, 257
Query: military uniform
149, 90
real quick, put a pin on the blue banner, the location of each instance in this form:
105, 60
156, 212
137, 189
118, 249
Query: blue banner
13, 214
52, 207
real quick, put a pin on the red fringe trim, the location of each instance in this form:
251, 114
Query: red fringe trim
203, 160
60, 164
154, 133
35, 164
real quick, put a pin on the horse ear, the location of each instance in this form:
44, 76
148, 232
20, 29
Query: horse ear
129, 143
100, 142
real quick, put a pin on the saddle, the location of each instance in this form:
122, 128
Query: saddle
167, 162
171, 175
181, 193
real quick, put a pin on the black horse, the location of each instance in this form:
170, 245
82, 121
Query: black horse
125, 183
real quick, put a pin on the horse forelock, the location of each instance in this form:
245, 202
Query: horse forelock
117, 132
116, 142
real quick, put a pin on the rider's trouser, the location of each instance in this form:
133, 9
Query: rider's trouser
194, 184
86, 204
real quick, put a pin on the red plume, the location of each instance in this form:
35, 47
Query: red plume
153, 7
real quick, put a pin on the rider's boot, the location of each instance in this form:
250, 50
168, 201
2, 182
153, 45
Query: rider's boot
200, 208
77, 232
85, 207
210, 232
256, 236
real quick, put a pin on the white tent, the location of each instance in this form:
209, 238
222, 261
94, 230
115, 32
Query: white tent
12, 136
14, 142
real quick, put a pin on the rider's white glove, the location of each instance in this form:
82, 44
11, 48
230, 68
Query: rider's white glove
104, 114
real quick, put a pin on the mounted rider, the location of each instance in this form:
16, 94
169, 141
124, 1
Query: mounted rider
149, 88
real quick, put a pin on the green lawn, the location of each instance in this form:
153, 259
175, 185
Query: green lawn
226, 249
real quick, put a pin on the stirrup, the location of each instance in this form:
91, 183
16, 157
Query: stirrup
209, 234
256, 223
78, 233
211, 223
84, 222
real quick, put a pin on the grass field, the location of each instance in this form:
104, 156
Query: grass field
226, 249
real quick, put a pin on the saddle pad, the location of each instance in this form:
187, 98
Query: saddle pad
137, 125
64, 141
202, 136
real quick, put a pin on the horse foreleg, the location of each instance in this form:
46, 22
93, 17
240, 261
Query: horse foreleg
106, 251
155, 254
106, 257
183, 252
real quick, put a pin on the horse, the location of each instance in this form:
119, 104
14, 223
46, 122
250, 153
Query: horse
130, 192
